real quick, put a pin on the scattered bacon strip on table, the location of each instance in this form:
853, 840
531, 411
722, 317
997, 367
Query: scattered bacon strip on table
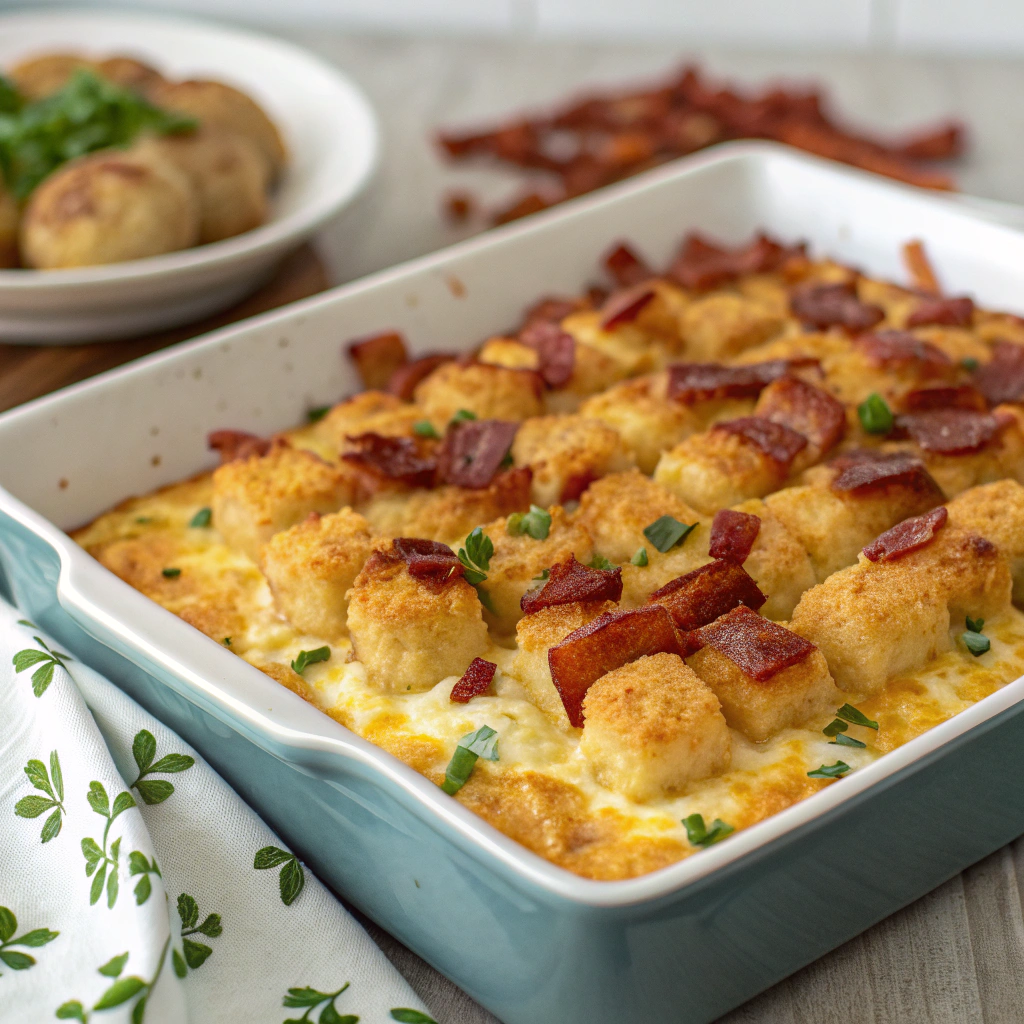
600, 138
475, 681
821, 306
702, 382
733, 534
404, 380
1002, 379
893, 349
572, 581
612, 640
866, 471
949, 431
781, 444
808, 410
958, 312
428, 560
910, 535
758, 646
377, 358
922, 274
236, 444
397, 458
701, 596
960, 396
472, 452
556, 351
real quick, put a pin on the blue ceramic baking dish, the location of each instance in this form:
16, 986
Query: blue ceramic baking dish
530, 941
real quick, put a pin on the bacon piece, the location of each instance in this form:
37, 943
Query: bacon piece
957, 312
703, 264
428, 560
963, 396
895, 349
758, 646
699, 597
867, 471
623, 307
556, 351
808, 410
910, 535
702, 382
1002, 379
950, 431
236, 444
553, 309
608, 642
922, 274
472, 452
475, 681
733, 535
626, 267
833, 305
404, 380
571, 581
397, 458
531, 202
781, 444
378, 358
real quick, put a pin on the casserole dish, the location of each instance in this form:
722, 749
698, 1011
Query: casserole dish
528, 940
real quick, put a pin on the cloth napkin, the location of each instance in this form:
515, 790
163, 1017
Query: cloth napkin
135, 885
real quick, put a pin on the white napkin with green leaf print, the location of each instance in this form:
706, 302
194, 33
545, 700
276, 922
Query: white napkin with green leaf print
135, 885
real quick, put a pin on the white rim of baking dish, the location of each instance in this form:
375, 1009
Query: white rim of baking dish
226, 683
275, 233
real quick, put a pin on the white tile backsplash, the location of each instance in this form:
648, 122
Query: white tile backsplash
960, 26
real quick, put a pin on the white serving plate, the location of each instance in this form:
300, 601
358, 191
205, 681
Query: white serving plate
329, 129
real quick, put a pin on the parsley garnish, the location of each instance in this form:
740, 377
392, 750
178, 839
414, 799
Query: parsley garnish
600, 562
640, 558
226, 641
847, 741
830, 771
307, 658
848, 713
171, 574
483, 742
424, 428
318, 413
973, 639
544, 576
10, 99
665, 533
463, 416
875, 414
836, 728
476, 556
201, 518
536, 523
969, 363
143, 519
700, 835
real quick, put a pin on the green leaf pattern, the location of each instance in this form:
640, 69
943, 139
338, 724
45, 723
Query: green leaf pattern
155, 791
16, 959
100, 863
46, 659
50, 783
292, 877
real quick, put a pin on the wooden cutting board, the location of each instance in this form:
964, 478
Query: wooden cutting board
28, 371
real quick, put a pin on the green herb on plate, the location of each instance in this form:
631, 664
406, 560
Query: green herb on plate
665, 533
307, 658
700, 835
482, 742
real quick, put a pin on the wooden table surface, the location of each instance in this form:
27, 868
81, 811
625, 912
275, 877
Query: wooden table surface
955, 956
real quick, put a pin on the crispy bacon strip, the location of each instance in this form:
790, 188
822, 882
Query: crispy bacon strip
957, 312
781, 444
377, 358
612, 640
733, 534
472, 452
556, 351
701, 596
404, 380
867, 471
808, 410
397, 458
236, 444
950, 431
623, 307
475, 681
822, 306
702, 382
571, 581
1002, 379
625, 267
910, 535
758, 647
428, 560
703, 264
895, 349
963, 396
922, 274
554, 309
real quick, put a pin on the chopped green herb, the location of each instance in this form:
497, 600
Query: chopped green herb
848, 713
975, 625
172, 574
543, 577
307, 658
476, 556
976, 643
665, 533
463, 416
969, 363
875, 414
10, 99
424, 428
143, 519
835, 727
482, 742
227, 641
201, 518
507, 462
847, 741
830, 771
600, 562
485, 600
536, 523
640, 558
700, 835
316, 414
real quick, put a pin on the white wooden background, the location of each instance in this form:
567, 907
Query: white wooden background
956, 956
